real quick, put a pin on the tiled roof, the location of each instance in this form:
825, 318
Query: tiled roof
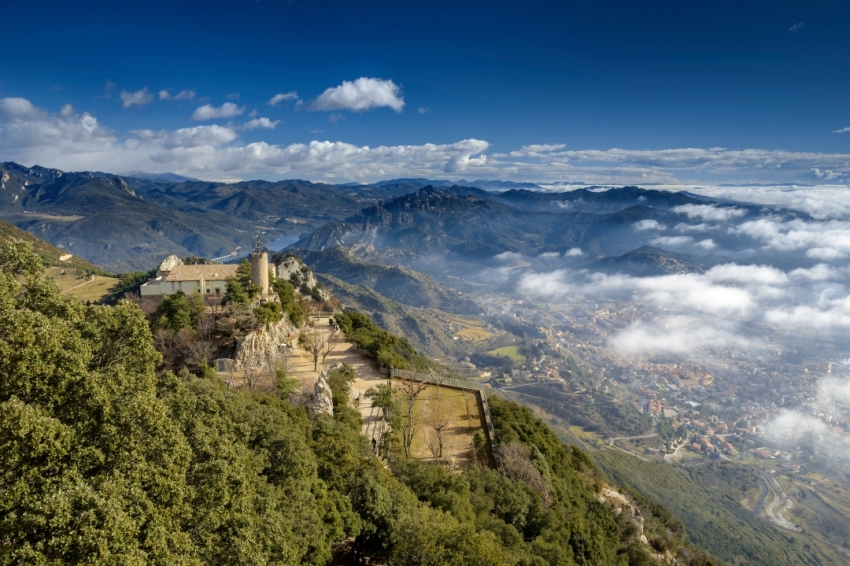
205, 272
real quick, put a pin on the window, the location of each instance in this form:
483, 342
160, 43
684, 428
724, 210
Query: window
208, 291
217, 292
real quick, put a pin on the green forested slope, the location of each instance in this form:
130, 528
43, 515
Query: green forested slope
707, 500
105, 460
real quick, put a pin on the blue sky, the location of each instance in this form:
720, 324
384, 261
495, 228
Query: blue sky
552, 91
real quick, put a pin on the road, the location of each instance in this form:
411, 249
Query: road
779, 503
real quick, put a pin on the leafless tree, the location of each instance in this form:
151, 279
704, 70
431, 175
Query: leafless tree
516, 460
410, 390
316, 343
440, 417
330, 341
252, 369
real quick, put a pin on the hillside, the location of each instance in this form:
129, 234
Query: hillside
400, 284
424, 329
105, 221
50, 255
142, 465
708, 502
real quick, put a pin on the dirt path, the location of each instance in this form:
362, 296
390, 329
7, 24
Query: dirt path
300, 366
86, 282
458, 409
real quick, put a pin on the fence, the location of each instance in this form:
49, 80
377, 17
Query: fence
465, 385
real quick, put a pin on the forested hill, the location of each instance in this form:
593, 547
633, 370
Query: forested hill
107, 459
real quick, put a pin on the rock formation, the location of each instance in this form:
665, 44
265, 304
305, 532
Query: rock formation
262, 345
321, 401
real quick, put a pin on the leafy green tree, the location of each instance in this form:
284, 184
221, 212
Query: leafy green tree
269, 313
176, 312
235, 294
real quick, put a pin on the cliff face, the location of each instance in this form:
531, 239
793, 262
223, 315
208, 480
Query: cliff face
262, 347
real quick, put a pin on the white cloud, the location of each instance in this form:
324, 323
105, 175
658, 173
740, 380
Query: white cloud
17, 107
197, 136
460, 161
797, 27
421, 110
536, 150
701, 227
746, 274
373, 163
138, 98
841, 130
707, 244
29, 134
263, 123
282, 97
672, 241
674, 335
712, 213
210, 112
185, 94
648, 224
549, 255
574, 252
362, 94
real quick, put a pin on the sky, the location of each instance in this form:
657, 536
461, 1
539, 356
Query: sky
743, 92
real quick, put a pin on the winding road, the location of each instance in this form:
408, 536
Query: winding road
779, 497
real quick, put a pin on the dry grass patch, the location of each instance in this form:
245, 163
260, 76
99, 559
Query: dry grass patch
445, 407
86, 289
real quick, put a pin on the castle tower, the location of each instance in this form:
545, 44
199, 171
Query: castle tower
260, 271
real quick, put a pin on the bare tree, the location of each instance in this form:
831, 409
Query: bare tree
330, 341
315, 343
440, 417
251, 369
410, 391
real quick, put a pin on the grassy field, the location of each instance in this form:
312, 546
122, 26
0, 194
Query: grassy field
511, 352
92, 288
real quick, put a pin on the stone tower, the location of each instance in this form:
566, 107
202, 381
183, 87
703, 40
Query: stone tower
260, 271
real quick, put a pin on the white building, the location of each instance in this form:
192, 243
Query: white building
172, 276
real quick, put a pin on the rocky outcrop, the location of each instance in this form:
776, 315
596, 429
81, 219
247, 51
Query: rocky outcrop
292, 269
621, 504
322, 400
169, 263
262, 345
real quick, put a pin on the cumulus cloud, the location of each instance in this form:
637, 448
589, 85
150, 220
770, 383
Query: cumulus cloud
29, 134
535, 150
362, 94
210, 112
674, 335
188, 137
185, 94
648, 224
258, 123
671, 241
574, 252
138, 98
461, 161
711, 213
824, 240
283, 97
542, 163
